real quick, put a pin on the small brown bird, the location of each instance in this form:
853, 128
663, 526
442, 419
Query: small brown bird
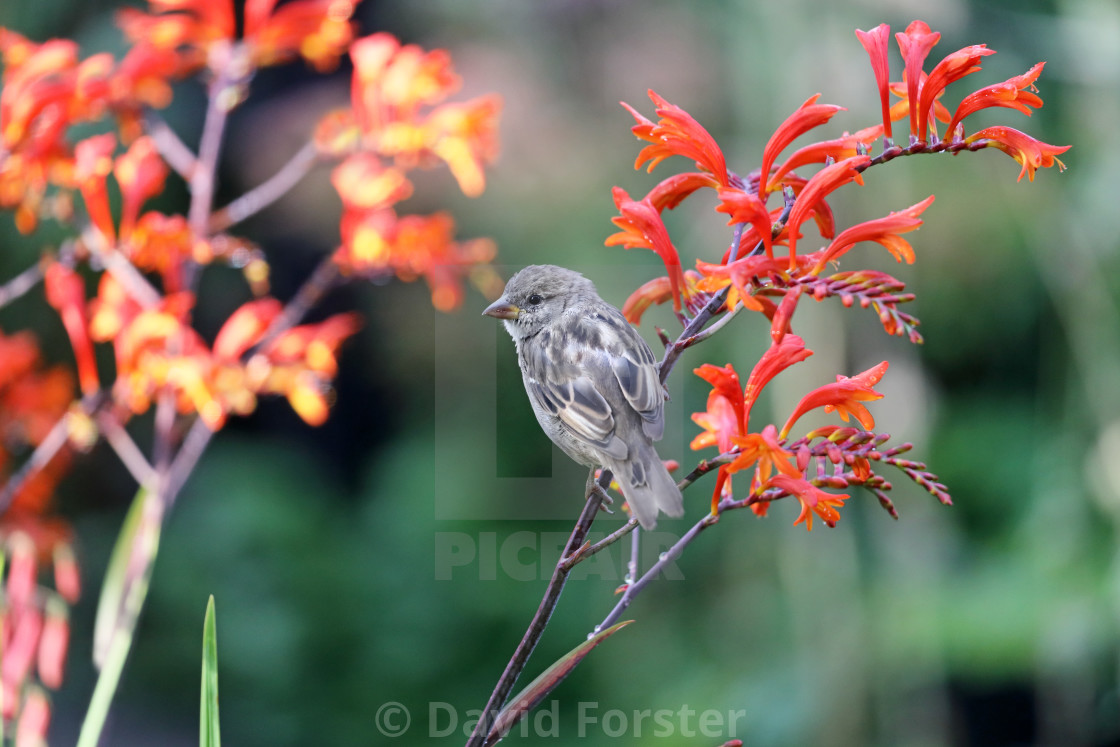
592, 382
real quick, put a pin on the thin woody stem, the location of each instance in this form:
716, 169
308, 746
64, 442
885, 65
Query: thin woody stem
126, 449
544, 612
666, 557
267, 192
325, 277
47, 449
20, 284
170, 146
195, 443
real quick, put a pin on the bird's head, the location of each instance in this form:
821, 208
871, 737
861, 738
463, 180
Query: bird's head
536, 296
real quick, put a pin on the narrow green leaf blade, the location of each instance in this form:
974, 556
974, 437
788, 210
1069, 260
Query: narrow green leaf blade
208, 733
110, 603
546, 682
122, 599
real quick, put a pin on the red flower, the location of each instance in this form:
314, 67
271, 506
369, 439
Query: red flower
813, 500
954, 67
656, 291
741, 273
1030, 153
391, 86
744, 207
765, 450
642, 227
244, 328
845, 396
875, 42
677, 134
1011, 94
93, 162
808, 115
821, 184
725, 416
141, 173
67, 295
915, 45
777, 358
672, 191
185, 33
376, 242
837, 149
885, 231
365, 183
783, 315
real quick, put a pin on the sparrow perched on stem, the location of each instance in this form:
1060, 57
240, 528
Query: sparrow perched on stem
592, 382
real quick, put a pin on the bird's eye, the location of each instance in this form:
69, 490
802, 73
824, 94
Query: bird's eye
535, 299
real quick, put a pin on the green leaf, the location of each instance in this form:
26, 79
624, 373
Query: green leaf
208, 732
122, 597
526, 700
109, 605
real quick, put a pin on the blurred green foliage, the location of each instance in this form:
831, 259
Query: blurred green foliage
993, 622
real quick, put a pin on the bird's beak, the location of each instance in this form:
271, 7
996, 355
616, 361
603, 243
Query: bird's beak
502, 309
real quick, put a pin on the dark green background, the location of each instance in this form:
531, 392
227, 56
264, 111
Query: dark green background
990, 623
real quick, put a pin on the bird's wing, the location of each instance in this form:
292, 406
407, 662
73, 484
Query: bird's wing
635, 369
581, 407
572, 375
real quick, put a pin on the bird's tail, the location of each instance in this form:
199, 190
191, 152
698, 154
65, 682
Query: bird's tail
648, 487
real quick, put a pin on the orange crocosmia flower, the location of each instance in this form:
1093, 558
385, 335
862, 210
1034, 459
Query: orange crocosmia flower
426, 247
915, 44
884, 231
112, 310
642, 227
244, 328
656, 291
777, 358
365, 183
1011, 93
142, 79
837, 149
875, 42
366, 241
821, 212
319, 31
391, 81
725, 414
186, 31
1030, 153
820, 185
141, 174
92, 163
783, 315
740, 273
66, 293
391, 85
376, 242
952, 68
807, 116
465, 137
672, 191
744, 207
677, 133
845, 397
39, 82
764, 450
337, 133
315, 345
161, 243
153, 329
813, 500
